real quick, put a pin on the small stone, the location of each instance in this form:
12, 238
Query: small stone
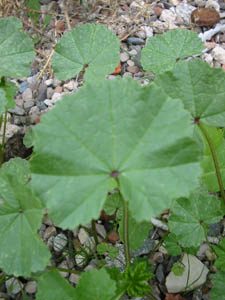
202, 251
31, 287
48, 102
50, 242
124, 57
218, 54
75, 231
101, 230
158, 11
205, 17
118, 262
80, 260
83, 236
174, 2
145, 248
133, 52
167, 16
111, 77
56, 97
213, 4
135, 41
71, 85
141, 34
133, 69
11, 130
27, 95
210, 45
58, 89
23, 86
60, 242
13, 287
17, 111
74, 278
4, 296
215, 229
127, 74
56, 82
159, 27
42, 106
158, 257
113, 237
184, 11
63, 265
89, 245
160, 273
210, 256
50, 231
213, 240
49, 82
19, 102
194, 275
148, 31
28, 104
49, 93
130, 63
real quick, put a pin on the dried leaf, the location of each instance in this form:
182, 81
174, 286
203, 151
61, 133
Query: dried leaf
174, 297
117, 70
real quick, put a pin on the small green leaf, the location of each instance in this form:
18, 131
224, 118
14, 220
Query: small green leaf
163, 50
200, 87
171, 245
21, 249
217, 291
220, 251
137, 232
53, 286
10, 89
178, 269
16, 49
104, 248
3, 101
135, 280
96, 285
35, 5
113, 202
87, 46
190, 216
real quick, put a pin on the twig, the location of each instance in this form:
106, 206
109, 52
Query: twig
46, 64
37, 30
42, 12
66, 16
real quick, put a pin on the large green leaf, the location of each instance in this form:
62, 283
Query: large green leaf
217, 291
21, 249
163, 50
91, 47
191, 216
16, 49
220, 251
200, 87
93, 285
114, 128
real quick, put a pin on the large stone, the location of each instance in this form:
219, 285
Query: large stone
194, 275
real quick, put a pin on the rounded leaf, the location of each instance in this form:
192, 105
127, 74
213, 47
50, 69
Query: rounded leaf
21, 249
163, 50
16, 49
88, 47
114, 129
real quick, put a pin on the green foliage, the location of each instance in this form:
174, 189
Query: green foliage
98, 52
178, 269
113, 142
35, 5
163, 51
191, 216
135, 280
21, 250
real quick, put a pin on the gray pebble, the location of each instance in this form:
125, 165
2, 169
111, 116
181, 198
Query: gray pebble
41, 106
160, 273
74, 278
145, 248
13, 286
27, 95
17, 111
50, 231
215, 229
135, 41
42, 92
28, 104
60, 242
23, 86
31, 287
124, 57
50, 92
49, 82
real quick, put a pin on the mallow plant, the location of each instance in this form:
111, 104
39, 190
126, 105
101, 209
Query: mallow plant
115, 144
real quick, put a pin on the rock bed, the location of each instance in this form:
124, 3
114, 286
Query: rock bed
134, 22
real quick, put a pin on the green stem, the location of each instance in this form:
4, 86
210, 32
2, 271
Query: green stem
4, 130
126, 232
1, 119
63, 270
213, 153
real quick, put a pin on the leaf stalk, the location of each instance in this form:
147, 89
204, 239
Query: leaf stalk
213, 153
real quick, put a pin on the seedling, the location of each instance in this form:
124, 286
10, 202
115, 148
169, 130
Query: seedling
152, 145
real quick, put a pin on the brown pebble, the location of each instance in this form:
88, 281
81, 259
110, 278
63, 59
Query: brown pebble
133, 69
113, 237
205, 17
158, 10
